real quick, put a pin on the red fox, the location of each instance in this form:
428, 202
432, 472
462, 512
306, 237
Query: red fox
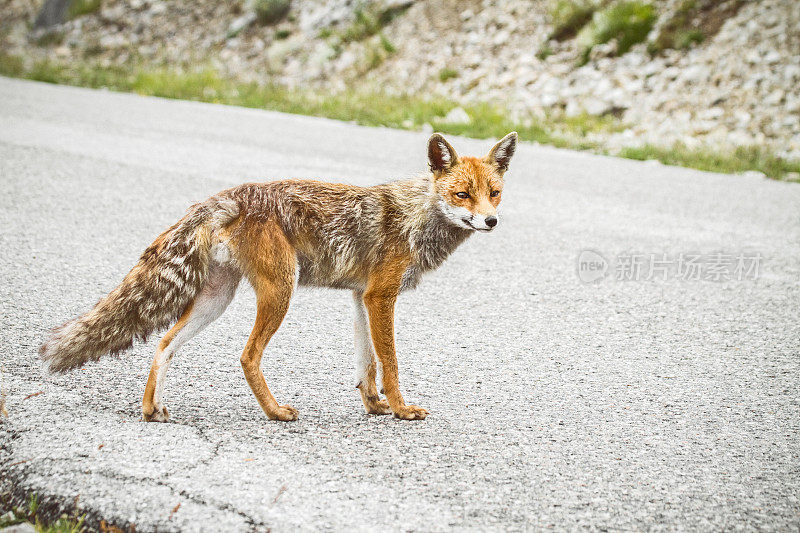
375, 241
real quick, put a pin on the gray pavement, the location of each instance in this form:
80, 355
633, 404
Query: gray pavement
660, 404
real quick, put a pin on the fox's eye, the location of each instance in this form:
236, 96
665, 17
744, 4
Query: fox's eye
495, 193
462, 195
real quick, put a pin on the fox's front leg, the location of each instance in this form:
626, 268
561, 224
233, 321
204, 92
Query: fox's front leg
379, 300
366, 367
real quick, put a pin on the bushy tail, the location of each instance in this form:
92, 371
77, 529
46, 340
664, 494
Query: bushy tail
169, 274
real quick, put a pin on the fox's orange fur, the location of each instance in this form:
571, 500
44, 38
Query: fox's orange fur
375, 241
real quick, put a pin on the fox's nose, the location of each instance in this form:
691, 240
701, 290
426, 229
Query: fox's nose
491, 221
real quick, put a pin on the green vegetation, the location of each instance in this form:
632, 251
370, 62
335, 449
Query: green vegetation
78, 8
739, 160
366, 24
12, 66
686, 39
271, 11
628, 22
678, 31
31, 514
373, 57
387, 45
544, 52
585, 123
376, 51
51, 37
569, 16
282, 34
447, 74
395, 111
368, 21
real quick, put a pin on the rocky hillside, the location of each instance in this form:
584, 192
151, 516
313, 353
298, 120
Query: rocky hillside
699, 72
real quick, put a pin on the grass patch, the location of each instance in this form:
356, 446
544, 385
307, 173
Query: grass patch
368, 21
50, 37
78, 8
692, 23
375, 109
675, 29
740, 160
271, 11
30, 513
628, 22
447, 74
544, 52
387, 45
373, 57
11, 66
687, 39
376, 52
366, 24
585, 123
569, 16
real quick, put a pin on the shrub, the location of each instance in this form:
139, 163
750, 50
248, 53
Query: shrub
78, 8
447, 74
387, 45
569, 16
544, 52
678, 30
685, 39
373, 58
628, 22
50, 38
271, 11
368, 22
376, 51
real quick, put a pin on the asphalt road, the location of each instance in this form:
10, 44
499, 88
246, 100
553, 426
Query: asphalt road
646, 404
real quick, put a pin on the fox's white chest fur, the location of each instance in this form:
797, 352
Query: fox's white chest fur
431, 245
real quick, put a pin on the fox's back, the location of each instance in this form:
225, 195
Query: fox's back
337, 230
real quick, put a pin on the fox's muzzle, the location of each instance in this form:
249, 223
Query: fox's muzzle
482, 222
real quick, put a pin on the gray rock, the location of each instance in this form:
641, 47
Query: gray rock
695, 73
594, 106
457, 115
240, 23
775, 97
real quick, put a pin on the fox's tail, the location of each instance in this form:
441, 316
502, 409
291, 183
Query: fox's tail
169, 274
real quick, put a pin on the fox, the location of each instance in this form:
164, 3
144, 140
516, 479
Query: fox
375, 241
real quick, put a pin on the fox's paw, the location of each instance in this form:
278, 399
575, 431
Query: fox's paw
411, 412
159, 413
379, 407
284, 413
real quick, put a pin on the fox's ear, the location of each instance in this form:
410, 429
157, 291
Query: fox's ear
441, 156
500, 155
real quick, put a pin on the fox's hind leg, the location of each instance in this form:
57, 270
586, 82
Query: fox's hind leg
366, 367
271, 267
212, 301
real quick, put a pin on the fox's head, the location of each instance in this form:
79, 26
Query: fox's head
470, 188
